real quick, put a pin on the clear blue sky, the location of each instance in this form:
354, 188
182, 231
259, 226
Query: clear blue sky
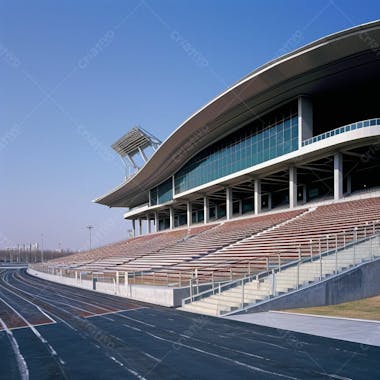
104, 66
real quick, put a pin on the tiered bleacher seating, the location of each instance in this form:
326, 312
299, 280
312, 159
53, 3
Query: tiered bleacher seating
231, 249
317, 230
208, 241
215, 241
119, 253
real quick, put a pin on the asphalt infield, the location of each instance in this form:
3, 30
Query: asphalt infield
53, 331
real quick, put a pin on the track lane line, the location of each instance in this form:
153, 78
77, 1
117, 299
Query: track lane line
28, 301
25, 283
21, 362
256, 369
48, 299
39, 336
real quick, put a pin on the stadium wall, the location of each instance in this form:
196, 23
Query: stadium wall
158, 295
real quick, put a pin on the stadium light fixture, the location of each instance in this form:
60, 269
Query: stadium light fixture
133, 143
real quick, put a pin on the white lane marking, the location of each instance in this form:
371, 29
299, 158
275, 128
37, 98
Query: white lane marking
34, 330
335, 376
35, 296
257, 369
137, 320
138, 308
81, 296
108, 319
114, 312
26, 327
49, 299
29, 284
21, 362
225, 348
26, 300
117, 361
131, 327
128, 369
152, 357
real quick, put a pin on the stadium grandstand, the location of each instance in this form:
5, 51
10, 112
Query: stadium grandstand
271, 187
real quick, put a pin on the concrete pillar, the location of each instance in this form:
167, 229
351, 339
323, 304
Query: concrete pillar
206, 210
305, 119
148, 227
292, 187
156, 222
171, 218
134, 227
269, 201
140, 226
304, 193
229, 204
240, 207
189, 214
257, 200
349, 184
338, 176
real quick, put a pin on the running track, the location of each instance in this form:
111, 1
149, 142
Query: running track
52, 331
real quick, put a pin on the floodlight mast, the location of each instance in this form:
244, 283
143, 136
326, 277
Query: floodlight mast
134, 143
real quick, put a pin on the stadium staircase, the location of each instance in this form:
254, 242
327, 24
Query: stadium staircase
235, 296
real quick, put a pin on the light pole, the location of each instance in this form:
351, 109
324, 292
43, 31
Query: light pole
89, 230
42, 248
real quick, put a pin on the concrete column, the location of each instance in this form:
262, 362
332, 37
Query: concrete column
206, 210
304, 193
156, 222
240, 207
305, 119
349, 184
189, 214
229, 204
134, 227
148, 227
269, 201
338, 176
140, 226
257, 200
171, 218
292, 187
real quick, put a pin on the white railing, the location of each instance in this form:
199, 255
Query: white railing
340, 130
308, 272
328, 245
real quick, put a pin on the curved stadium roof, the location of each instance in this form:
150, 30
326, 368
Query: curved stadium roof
299, 72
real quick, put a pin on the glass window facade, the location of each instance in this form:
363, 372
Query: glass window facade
162, 193
253, 144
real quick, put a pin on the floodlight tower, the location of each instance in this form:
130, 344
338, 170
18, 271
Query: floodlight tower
133, 144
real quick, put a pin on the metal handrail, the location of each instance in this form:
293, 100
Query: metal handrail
258, 276
343, 129
318, 258
348, 236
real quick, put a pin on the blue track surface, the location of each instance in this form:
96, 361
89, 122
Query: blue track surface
87, 335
